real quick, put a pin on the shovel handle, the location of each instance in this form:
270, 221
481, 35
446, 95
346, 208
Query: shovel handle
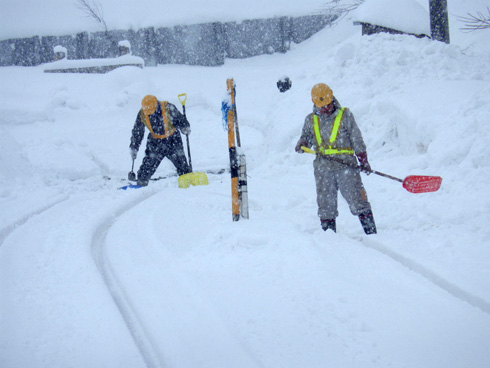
189, 152
412, 183
131, 174
309, 150
385, 175
182, 98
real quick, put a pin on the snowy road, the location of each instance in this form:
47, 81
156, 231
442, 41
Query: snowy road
209, 297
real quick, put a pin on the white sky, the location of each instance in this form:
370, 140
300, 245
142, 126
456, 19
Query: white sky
22, 17
26, 18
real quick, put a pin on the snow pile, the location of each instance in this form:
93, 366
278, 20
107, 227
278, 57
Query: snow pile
77, 64
100, 65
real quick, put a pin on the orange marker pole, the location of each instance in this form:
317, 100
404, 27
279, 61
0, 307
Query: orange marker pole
235, 203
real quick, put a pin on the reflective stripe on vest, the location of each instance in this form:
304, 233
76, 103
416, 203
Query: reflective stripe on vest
167, 124
330, 150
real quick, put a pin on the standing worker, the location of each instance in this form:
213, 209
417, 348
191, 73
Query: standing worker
333, 133
162, 120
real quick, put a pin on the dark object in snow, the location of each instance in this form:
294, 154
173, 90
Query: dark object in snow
131, 174
439, 22
367, 222
328, 224
284, 84
370, 29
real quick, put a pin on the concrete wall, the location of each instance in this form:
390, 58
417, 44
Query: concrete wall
198, 44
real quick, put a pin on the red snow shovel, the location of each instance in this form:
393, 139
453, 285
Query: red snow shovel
415, 183
412, 183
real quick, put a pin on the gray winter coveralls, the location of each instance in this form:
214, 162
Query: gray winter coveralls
332, 176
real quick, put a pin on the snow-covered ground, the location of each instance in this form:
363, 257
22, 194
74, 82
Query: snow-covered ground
91, 276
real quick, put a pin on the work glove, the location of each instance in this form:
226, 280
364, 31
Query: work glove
301, 142
363, 163
133, 153
186, 130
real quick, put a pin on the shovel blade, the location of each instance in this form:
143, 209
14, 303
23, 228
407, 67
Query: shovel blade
422, 184
130, 186
194, 178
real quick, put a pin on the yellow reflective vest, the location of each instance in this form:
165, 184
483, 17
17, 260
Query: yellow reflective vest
331, 148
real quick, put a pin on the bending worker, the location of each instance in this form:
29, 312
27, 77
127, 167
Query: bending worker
333, 133
162, 120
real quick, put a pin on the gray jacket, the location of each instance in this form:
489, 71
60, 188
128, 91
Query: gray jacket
349, 136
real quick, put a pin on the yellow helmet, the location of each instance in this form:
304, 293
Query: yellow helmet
149, 104
321, 95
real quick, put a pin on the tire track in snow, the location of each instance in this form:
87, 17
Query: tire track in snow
147, 344
136, 328
6, 231
431, 276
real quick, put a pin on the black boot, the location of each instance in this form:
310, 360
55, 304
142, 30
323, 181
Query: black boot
367, 222
328, 224
142, 182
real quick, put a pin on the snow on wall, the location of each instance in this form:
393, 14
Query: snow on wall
197, 44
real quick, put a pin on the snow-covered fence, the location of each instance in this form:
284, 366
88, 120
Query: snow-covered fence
198, 44
256, 37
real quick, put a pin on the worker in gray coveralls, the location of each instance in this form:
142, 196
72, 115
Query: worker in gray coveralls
332, 132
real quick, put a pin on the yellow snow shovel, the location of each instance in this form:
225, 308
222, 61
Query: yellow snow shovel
192, 178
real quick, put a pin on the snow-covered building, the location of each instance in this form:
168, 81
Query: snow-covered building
395, 17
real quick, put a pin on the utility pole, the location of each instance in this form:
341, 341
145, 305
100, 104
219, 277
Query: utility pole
439, 22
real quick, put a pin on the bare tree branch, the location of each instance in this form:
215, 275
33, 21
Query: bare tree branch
92, 9
341, 10
475, 22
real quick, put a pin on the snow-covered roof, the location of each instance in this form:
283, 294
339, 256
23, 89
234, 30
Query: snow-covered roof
21, 18
403, 15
